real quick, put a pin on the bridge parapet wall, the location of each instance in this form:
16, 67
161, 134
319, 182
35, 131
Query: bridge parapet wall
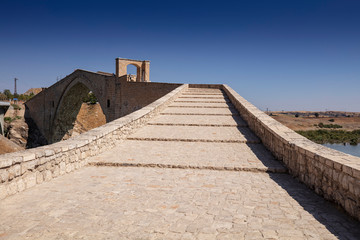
332, 174
22, 170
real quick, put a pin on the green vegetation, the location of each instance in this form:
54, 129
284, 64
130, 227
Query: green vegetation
8, 119
332, 136
7, 95
297, 115
332, 120
316, 114
90, 98
16, 107
321, 125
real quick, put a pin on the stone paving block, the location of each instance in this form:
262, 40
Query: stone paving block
199, 120
145, 203
221, 156
195, 133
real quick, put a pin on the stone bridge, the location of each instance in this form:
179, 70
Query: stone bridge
54, 110
200, 162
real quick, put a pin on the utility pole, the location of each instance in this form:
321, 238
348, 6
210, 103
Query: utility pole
15, 90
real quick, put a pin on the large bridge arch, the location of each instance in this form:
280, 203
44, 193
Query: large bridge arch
116, 96
69, 104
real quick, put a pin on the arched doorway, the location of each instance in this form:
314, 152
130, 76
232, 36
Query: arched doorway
78, 112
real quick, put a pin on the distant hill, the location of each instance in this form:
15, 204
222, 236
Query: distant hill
33, 90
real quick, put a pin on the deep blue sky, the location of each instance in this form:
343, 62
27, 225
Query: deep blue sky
281, 55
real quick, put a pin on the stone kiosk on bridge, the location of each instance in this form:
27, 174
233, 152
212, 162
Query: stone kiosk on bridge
174, 161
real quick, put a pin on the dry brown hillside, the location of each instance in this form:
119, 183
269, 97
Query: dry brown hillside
33, 90
7, 146
307, 120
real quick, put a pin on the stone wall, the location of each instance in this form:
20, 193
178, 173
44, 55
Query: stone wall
24, 169
54, 109
136, 95
332, 174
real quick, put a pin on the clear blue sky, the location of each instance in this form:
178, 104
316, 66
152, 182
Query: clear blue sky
281, 55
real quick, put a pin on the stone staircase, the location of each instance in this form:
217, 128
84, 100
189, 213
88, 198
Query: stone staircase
195, 171
200, 129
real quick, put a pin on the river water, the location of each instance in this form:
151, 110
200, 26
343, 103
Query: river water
349, 149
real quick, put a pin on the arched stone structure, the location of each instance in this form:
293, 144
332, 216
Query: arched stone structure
116, 95
143, 68
68, 109
55, 108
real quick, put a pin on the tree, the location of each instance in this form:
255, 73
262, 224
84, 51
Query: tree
8, 94
2, 96
297, 115
90, 98
316, 114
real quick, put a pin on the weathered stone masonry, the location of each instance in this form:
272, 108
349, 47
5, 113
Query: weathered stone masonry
55, 109
24, 169
332, 174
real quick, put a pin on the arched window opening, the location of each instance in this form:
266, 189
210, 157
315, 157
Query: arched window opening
132, 72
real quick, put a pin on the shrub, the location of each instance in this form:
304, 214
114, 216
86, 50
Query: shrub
331, 120
332, 136
16, 107
321, 125
90, 98
297, 115
8, 119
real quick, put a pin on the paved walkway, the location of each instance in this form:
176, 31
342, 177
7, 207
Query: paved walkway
194, 172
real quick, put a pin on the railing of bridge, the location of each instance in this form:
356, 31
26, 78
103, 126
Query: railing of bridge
330, 173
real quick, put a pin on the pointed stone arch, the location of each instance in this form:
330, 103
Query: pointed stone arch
69, 105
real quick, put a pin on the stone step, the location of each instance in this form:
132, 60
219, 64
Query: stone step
200, 111
216, 156
203, 97
195, 134
202, 94
200, 104
197, 100
198, 120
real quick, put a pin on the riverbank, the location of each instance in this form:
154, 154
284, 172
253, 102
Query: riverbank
323, 127
322, 136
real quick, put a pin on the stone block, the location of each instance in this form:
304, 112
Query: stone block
30, 179
28, 156
20, 185
7, 162
39, 177
68, 167
3, 191
56, 171
62, 167
4, 175
12, 188
49, 152
47, 175
348, 170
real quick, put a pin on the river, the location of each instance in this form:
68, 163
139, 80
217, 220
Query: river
349, 149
